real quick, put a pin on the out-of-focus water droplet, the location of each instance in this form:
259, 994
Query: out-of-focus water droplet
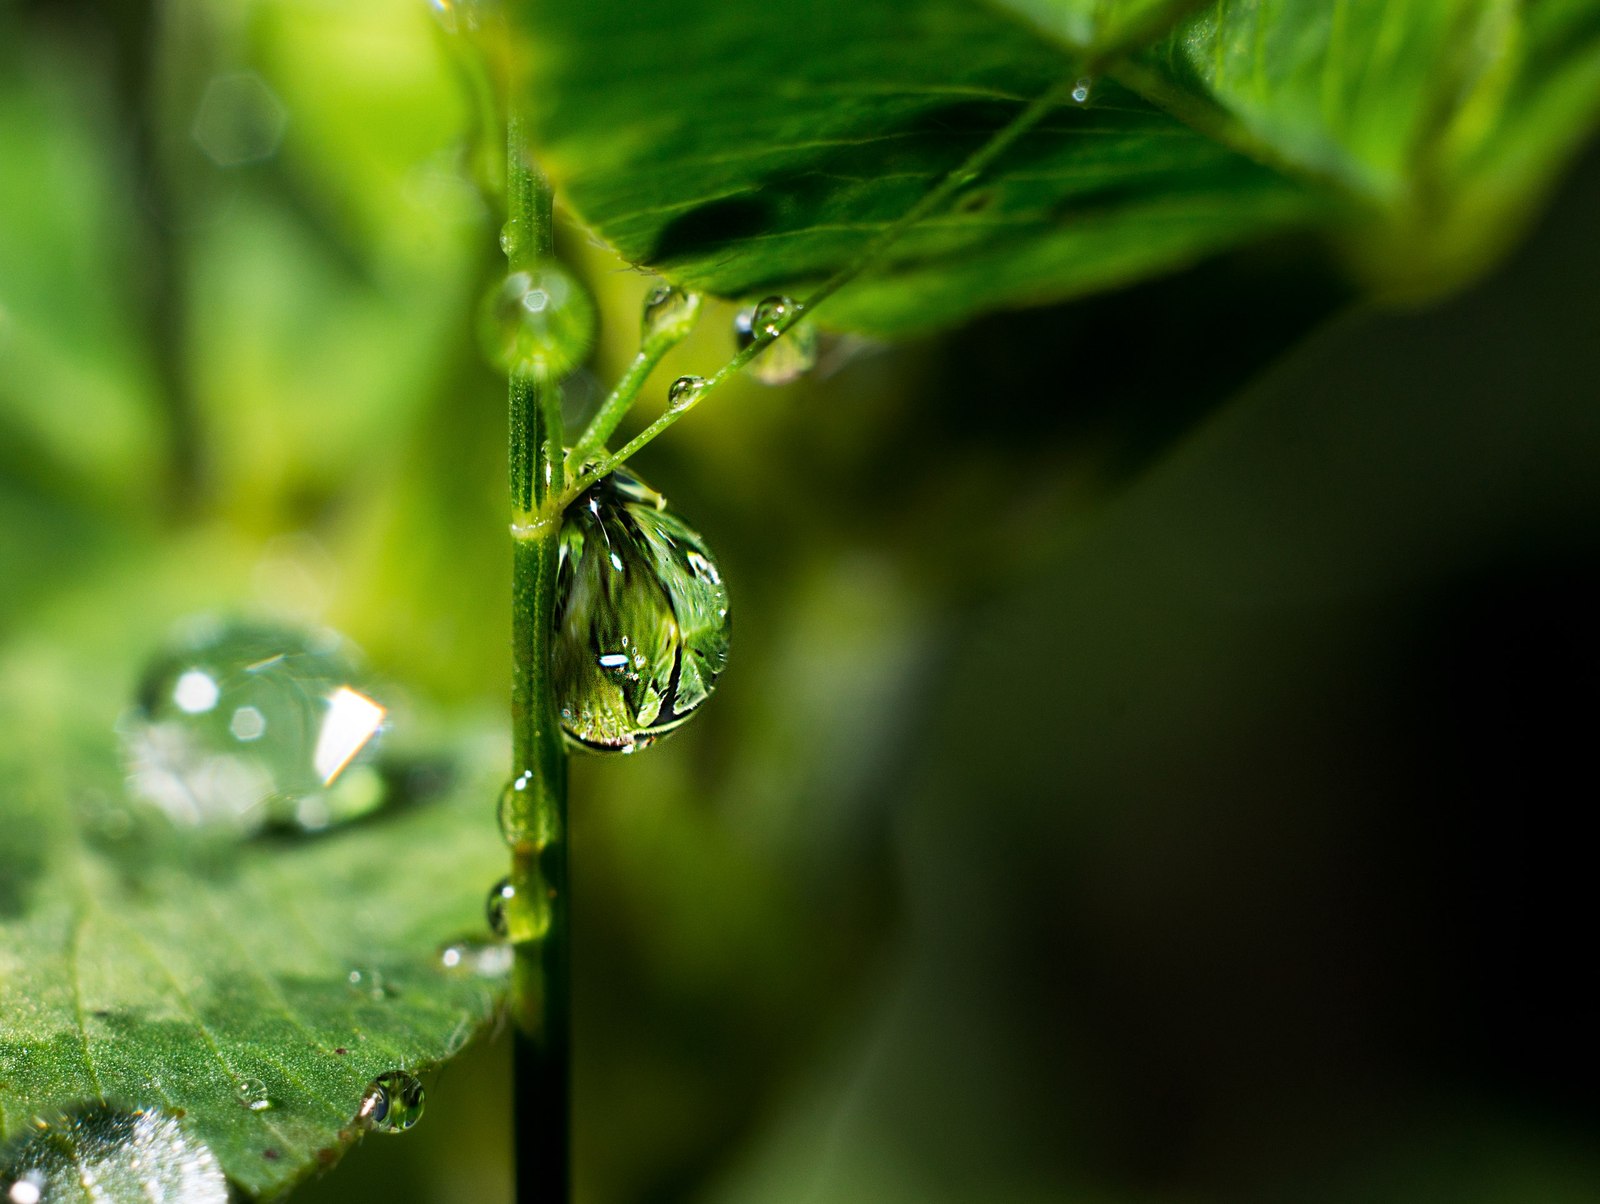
685, 391
1081, 89
472, 958
538, 322
642, 618
252, 1093
785, 360
365, 980
392, 1103
669, 313
108, 1155
239, 120
243, 725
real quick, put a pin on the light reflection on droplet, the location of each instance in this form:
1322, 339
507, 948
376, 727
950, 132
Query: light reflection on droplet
243, 725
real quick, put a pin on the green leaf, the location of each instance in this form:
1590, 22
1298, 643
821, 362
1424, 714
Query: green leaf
147, 967
743, 151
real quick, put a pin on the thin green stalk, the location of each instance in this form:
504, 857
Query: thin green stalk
620, 400
534, 811
962, 176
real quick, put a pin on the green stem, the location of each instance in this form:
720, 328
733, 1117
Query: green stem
534, 813
962, 176
620, 400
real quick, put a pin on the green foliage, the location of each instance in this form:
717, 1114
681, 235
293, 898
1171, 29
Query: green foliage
743, 149
156, 968
316, 309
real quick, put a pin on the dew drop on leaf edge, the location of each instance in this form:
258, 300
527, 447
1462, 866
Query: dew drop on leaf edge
392, 1103
239, 726
642, 618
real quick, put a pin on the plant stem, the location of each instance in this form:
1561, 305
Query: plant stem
534, 817
620, 400
962, 176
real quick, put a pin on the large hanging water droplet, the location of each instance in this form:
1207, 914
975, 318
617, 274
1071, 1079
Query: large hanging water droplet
103, 1154
642, 620
669, 313
242, 725
392, 1103
1081, 90
539, 322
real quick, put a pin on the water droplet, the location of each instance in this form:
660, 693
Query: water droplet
539, 322
510, 235
371, 983
239, 120
392, 1103
669, 313
1080, 90
454, 16
500, 896
520, 822
685, 391
642, 620
252, 1093
244, 725
787, 359
121, 1155
766, 321
473, 958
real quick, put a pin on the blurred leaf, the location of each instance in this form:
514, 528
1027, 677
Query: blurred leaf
75, 382
142, 966
744, 151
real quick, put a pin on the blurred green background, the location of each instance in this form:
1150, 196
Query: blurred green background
1172, 790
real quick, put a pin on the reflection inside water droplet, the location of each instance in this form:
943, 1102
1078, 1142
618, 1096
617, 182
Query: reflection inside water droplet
245, 725
392, 1103
102, 1153
642, 618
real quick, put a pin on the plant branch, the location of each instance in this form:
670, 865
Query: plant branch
962, 176
533, 813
